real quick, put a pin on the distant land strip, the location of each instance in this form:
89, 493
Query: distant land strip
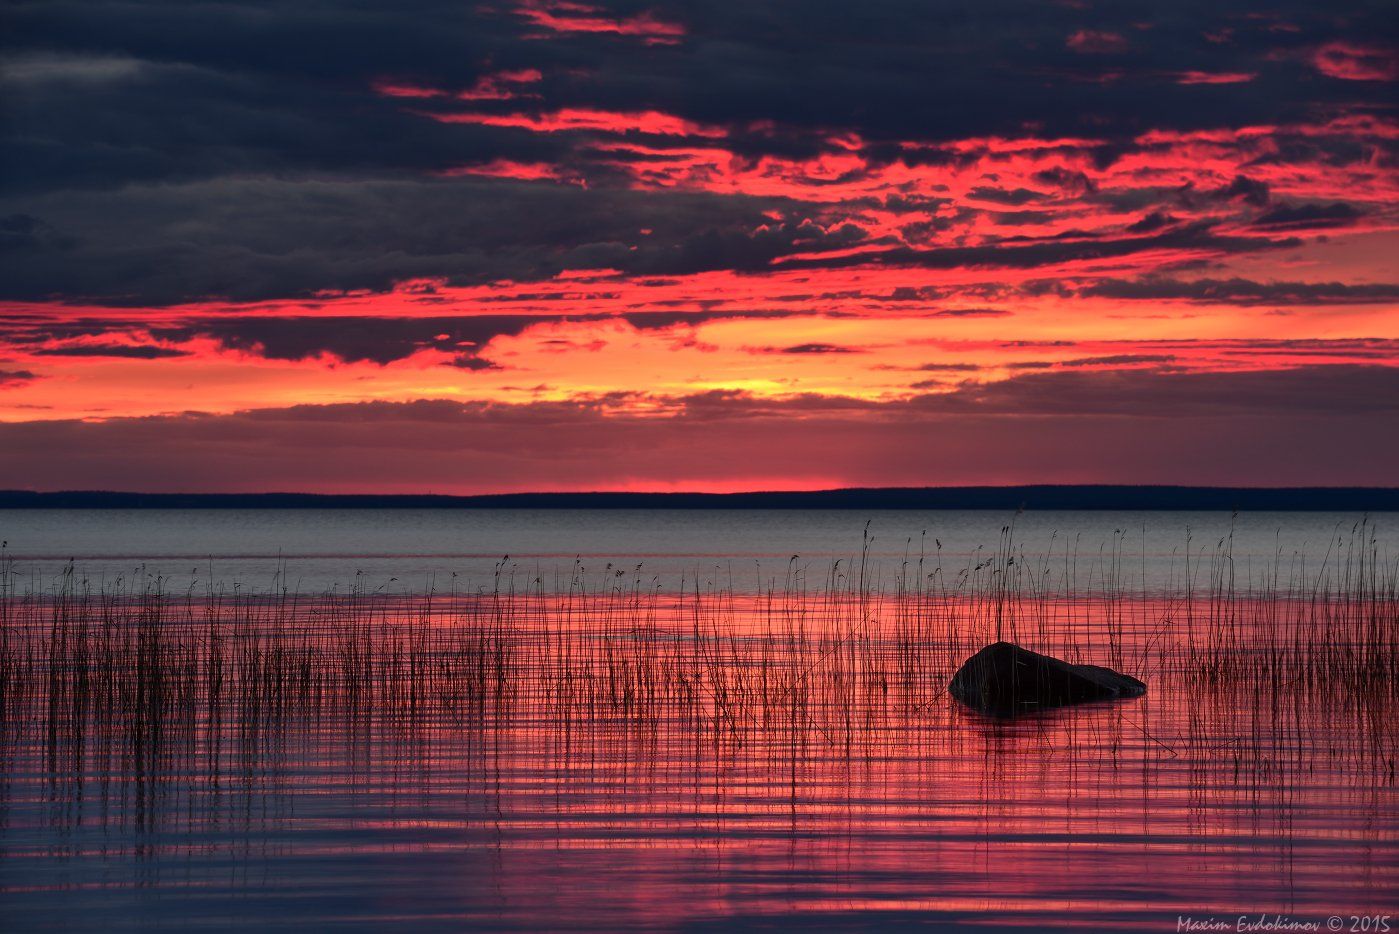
1292, 499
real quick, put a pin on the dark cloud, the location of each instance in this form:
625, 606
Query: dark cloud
1243, 291
153, 153
1124, 359
1115, 426
1021, 218
1336, 214
134, 351
253, 239
346, 338
969, 313
1014, 253
352, 339
1248, 190
925, 293
50, 335
15, 378
1017, 196
1151, 222
1068, 181
949, 367
103, 94
23, 234
1151, 394
384, 340
1377, 348
815, 348
653, 320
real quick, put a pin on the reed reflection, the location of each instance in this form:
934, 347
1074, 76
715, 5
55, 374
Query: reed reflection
689, 754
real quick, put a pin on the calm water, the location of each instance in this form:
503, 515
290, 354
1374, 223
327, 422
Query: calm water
610, 752
411, 550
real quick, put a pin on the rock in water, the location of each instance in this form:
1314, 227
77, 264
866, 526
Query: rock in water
1004, 680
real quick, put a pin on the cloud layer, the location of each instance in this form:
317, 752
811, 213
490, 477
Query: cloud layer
211, 214
1060, 428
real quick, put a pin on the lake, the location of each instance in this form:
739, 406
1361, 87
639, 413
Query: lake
610, 720
410, 550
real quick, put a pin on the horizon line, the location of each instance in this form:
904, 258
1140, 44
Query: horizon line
1145, 497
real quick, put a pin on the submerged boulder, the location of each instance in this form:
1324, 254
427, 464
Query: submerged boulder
1004, 680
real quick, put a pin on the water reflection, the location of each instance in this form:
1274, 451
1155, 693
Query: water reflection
623, 757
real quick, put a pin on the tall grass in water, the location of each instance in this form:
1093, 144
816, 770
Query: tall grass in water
134, 683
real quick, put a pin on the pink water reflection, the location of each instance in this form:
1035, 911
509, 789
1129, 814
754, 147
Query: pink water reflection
641, 760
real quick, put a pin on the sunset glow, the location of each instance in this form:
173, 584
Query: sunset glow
529, 247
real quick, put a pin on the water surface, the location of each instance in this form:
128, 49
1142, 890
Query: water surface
410, 550
605, 751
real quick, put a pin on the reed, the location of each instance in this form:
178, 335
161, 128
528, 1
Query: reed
136, 680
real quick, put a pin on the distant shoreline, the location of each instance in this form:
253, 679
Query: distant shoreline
1098, 497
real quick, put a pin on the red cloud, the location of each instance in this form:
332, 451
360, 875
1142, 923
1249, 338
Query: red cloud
1214, 77
567, 16
1096, 40
492, 87
580, 118
521, 171
1357, 62
402, 89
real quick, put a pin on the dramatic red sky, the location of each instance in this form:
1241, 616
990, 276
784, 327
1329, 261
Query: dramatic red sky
557, 245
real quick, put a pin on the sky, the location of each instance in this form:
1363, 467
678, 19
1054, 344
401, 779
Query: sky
776, 244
